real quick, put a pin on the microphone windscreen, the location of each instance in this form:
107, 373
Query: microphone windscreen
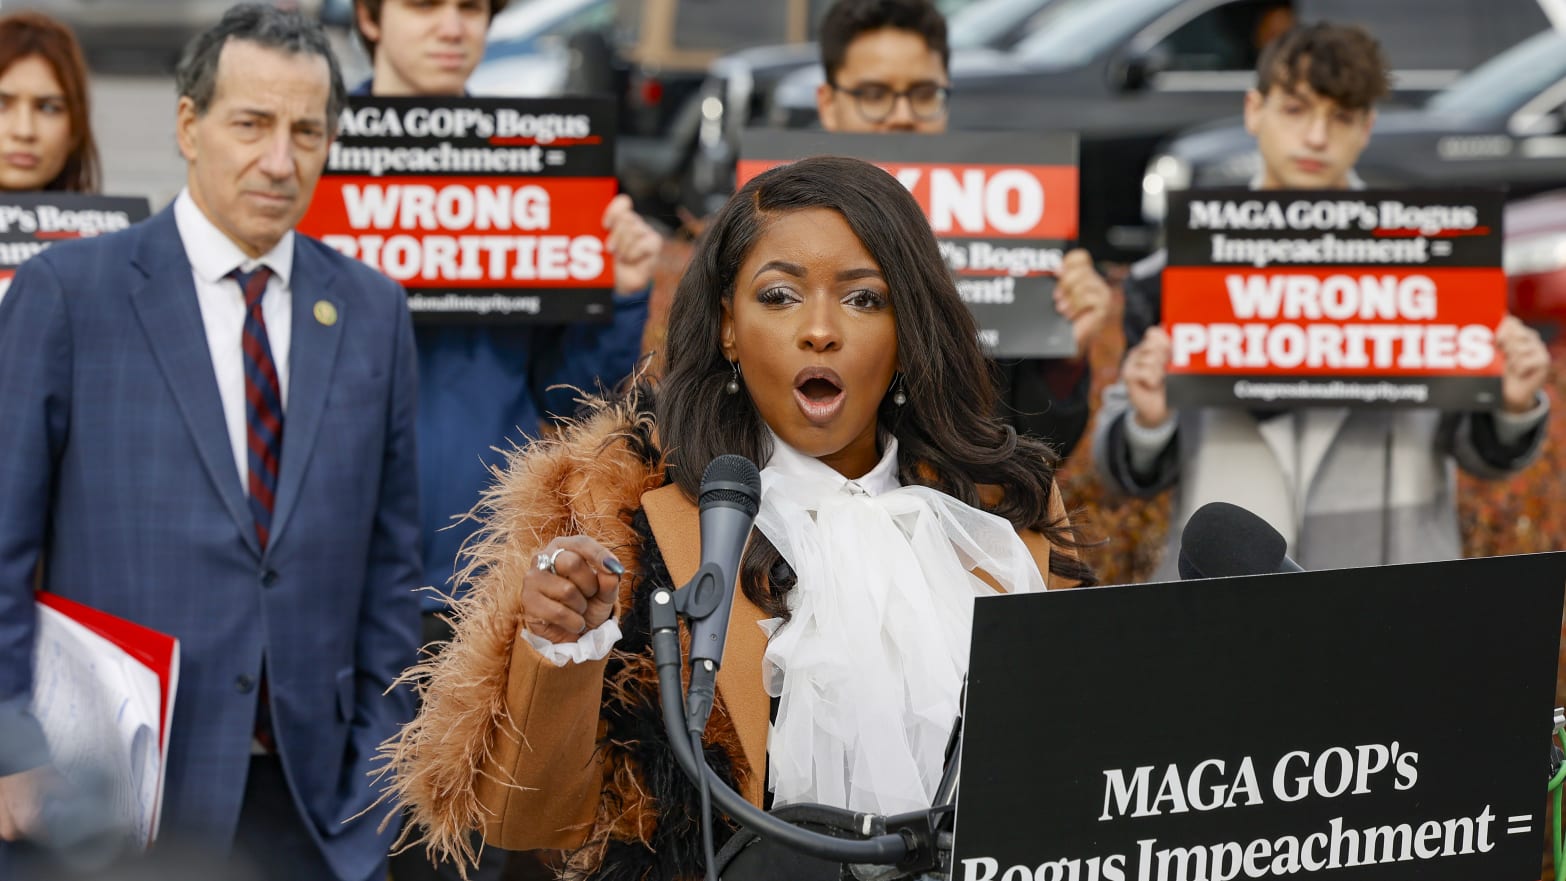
1222, 539
732, 481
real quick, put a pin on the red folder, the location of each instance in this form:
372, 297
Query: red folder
157, 652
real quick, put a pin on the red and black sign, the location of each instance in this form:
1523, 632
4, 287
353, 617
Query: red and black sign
486, 210
1312, 298
30, 222
1002, 207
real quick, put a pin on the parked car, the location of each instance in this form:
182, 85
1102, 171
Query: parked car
1128, 74
738, 90
1535, 259
1501, 124
527, 53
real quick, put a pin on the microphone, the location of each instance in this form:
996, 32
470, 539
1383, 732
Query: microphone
1222, 539
730, 497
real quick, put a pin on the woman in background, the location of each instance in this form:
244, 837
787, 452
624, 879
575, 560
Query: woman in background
46, 138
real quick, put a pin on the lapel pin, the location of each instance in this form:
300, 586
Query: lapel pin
325, 312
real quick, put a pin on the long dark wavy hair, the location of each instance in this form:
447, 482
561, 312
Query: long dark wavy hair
948, 436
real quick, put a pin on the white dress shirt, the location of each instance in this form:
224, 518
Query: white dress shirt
213, 255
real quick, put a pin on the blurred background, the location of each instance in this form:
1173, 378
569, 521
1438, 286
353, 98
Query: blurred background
1153, 87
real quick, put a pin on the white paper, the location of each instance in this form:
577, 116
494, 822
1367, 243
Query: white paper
99, 708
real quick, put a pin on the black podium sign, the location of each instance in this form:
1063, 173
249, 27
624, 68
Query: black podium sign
1381, 723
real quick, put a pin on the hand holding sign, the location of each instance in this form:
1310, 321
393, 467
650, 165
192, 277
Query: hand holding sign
1082, 296
1145, 373
633, 244
1527, 364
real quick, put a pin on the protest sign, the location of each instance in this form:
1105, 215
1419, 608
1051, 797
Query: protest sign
1331, 298
485, 210
31, 222
1002, 208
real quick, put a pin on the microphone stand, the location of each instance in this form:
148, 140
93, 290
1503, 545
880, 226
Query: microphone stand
930, 830
907, 842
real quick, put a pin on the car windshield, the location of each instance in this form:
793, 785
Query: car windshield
1072, 32
1506, 81
533, 18
986, 22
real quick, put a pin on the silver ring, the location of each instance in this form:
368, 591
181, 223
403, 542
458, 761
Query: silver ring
545, 561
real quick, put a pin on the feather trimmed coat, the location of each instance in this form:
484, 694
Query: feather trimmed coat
574, 757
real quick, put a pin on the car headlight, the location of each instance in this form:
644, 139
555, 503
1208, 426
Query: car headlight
1164, 174
710, 132
1534, 255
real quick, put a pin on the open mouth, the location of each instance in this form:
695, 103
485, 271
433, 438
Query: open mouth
819, 393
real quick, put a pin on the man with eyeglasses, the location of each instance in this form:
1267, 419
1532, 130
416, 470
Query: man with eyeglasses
886, 72
885, 64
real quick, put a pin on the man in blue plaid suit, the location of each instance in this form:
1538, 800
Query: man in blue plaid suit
208, 428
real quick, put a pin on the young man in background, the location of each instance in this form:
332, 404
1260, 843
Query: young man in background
886, 72
486, 388
1345, 486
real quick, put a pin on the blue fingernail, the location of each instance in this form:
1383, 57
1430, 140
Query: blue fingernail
614, 566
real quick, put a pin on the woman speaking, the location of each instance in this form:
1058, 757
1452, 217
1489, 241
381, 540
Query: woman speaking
818, 333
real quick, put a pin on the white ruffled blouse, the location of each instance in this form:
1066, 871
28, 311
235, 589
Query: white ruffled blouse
868, 669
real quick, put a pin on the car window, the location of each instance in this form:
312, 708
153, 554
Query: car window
818, 11
1070, 33
1228, 37
532, 18
948, 8
578, 17
1506, 81
595, 16
727, 26
627, 19
988, 23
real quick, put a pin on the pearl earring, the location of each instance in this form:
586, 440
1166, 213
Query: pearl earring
733, 385
899, 397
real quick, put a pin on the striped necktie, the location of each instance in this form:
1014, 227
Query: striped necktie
263, 404
264, 441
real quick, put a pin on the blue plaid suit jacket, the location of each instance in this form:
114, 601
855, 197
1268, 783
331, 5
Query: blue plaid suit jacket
116, 471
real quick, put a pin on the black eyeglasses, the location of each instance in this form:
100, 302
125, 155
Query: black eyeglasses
875, 102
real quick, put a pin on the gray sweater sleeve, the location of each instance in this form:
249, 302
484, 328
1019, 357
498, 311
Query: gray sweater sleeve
1138, 462
1495, 445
